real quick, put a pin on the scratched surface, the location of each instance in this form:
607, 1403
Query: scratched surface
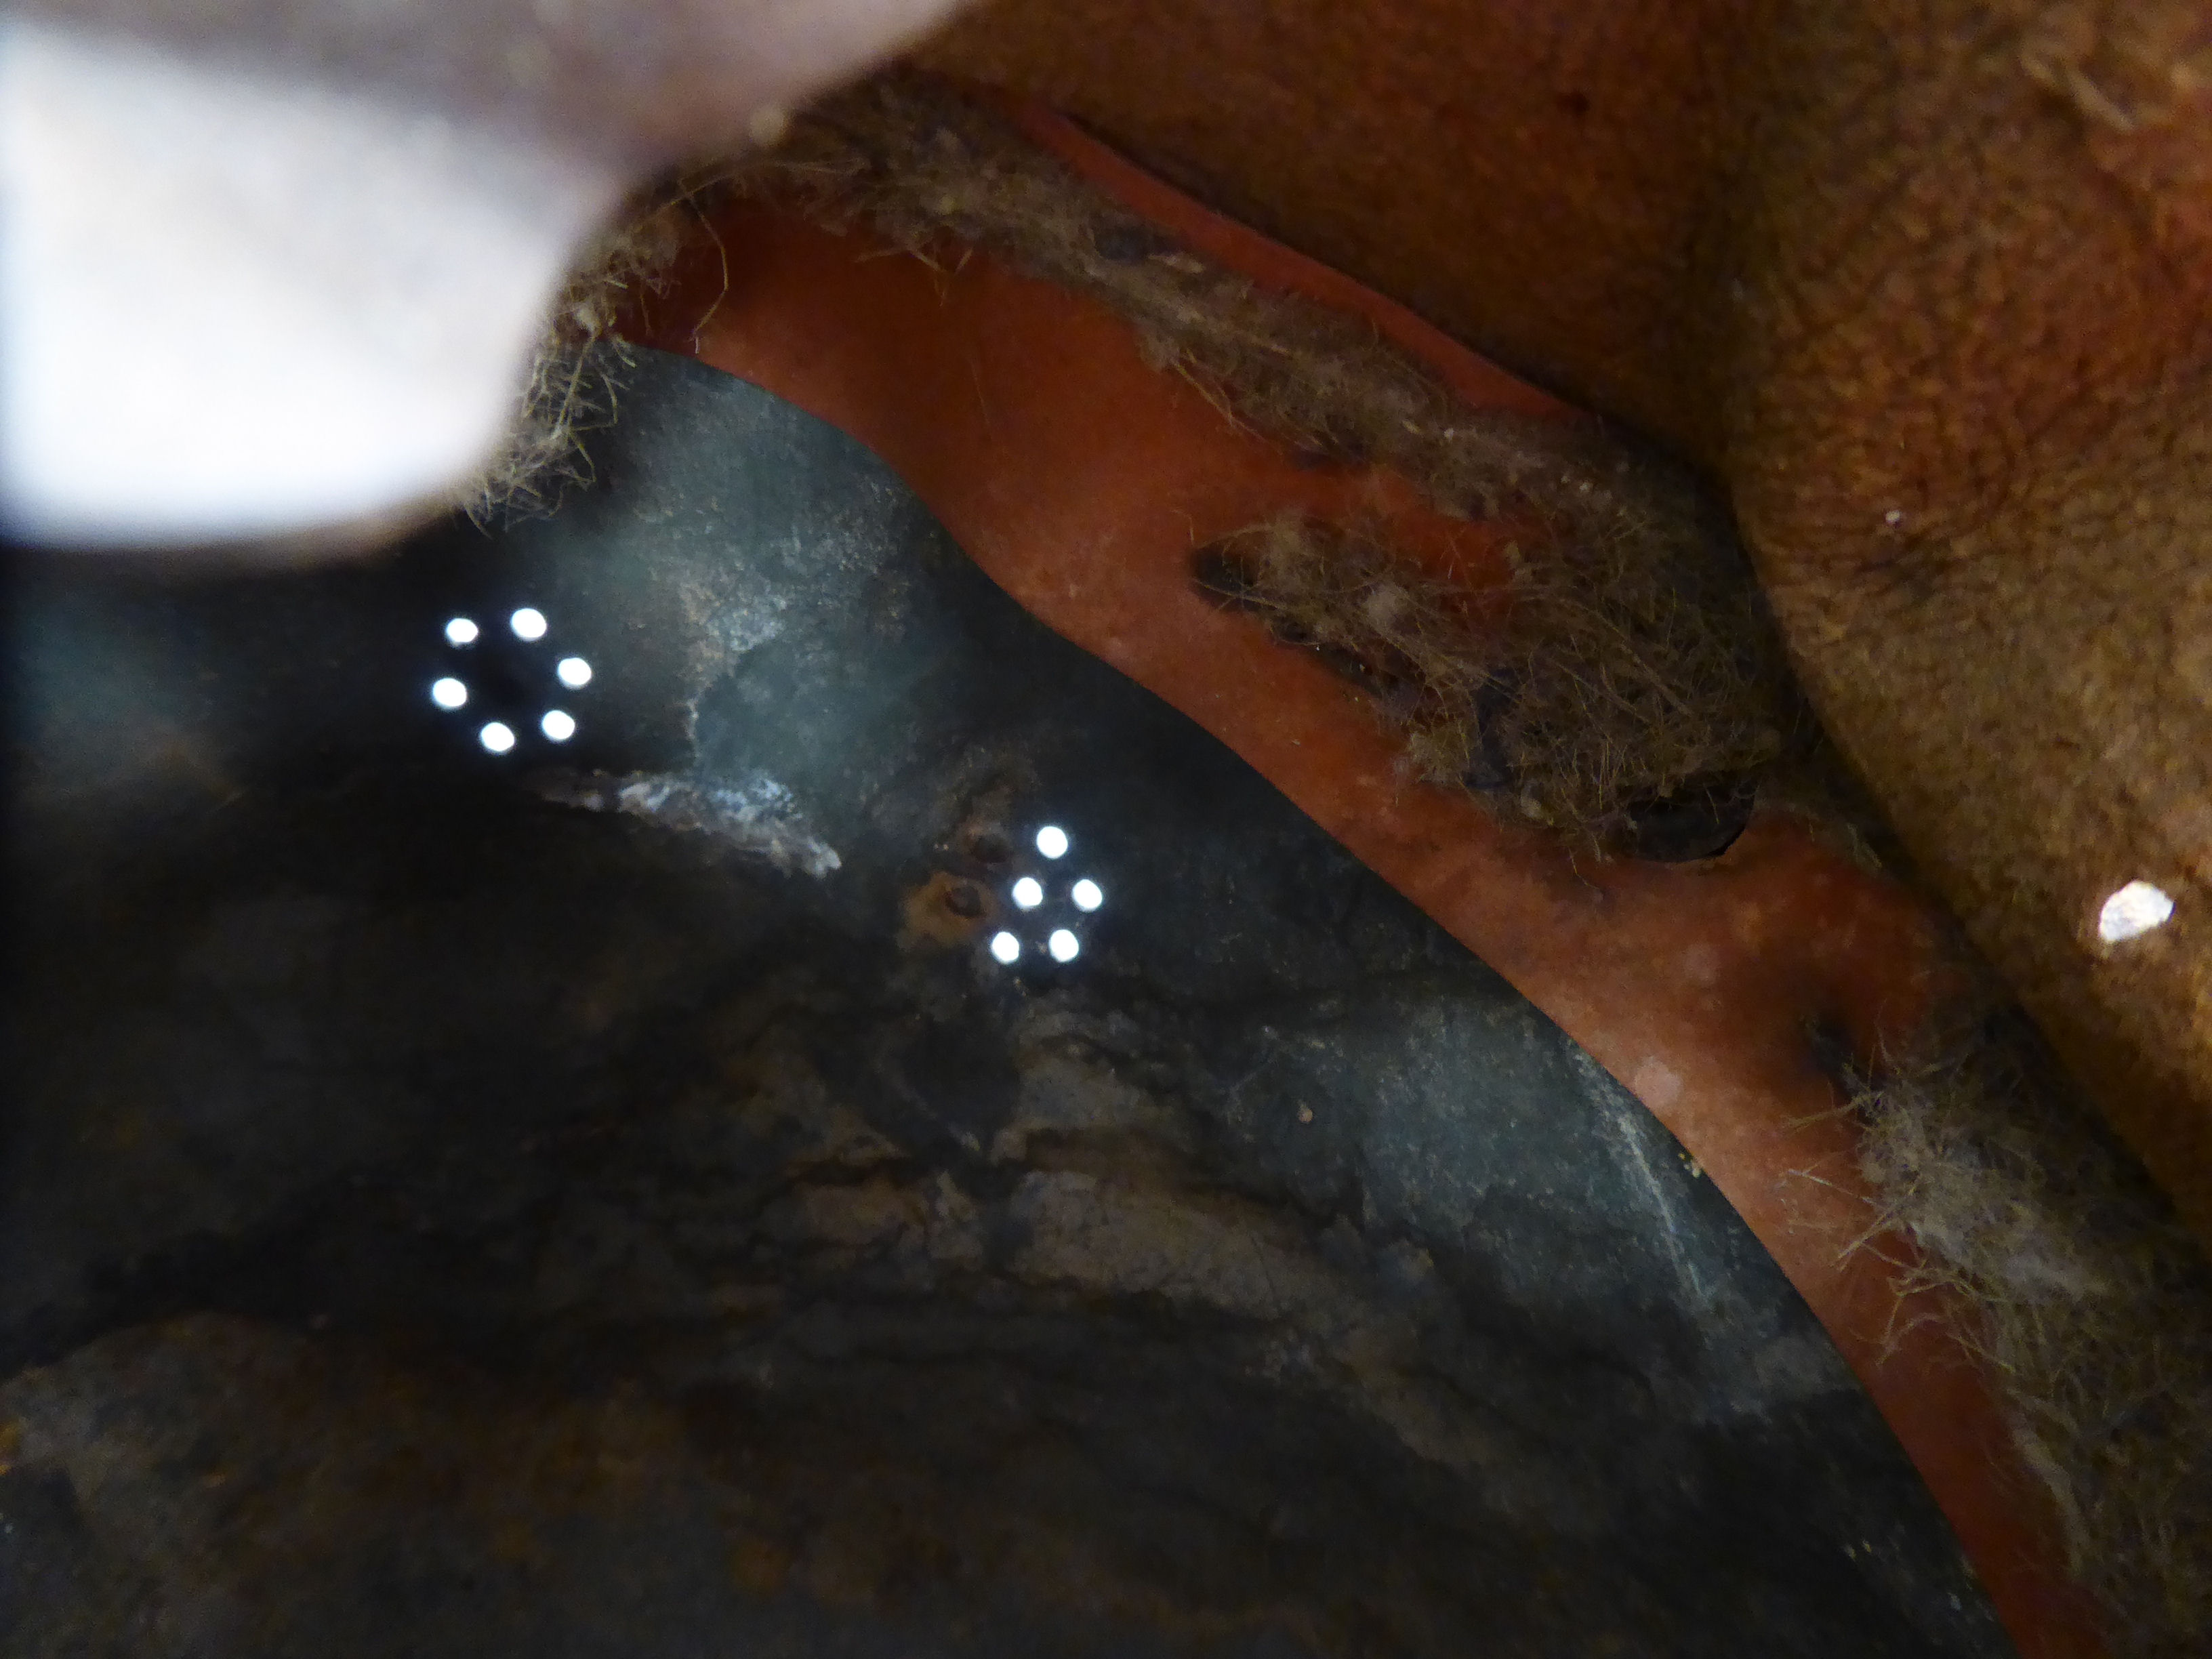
610, 1198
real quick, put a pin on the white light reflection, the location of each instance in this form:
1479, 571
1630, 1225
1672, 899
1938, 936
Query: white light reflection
2133, 911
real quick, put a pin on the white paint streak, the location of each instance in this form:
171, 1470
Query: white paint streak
759, 816
1638, 1164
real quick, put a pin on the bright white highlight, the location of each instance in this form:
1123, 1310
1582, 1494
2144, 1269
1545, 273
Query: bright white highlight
2132, 912
558, 725
497, 737
1063, 945
460, 631
448, 692
1028, 892
1051, 841
395, 238
575, 672
395, 255
1007, 948
1087, 894
528, 623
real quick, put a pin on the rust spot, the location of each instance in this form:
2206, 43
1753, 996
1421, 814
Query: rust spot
947, 909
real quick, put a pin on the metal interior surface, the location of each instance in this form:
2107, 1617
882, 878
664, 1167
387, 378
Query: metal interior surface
609, 1197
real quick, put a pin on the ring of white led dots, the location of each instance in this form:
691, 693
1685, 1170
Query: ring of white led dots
528, 624
1044, 900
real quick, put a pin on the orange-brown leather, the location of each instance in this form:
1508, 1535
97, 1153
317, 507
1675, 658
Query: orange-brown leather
1082, 479
1924, 286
